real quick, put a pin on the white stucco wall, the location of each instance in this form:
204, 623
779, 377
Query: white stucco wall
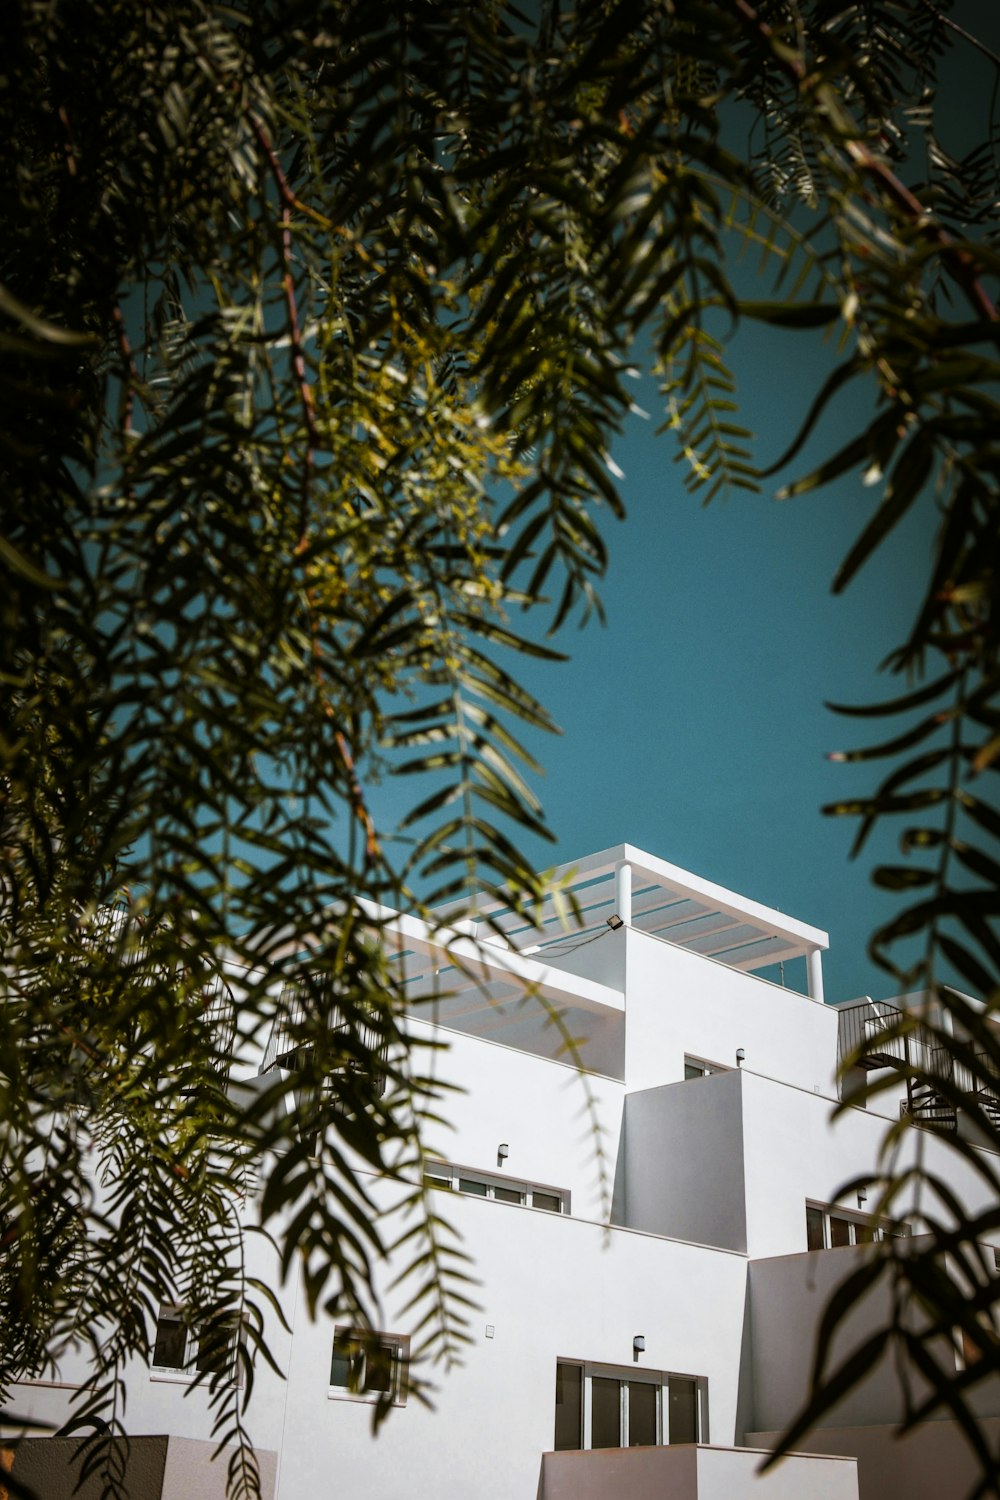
795, 1150
537, 1107
550, 1288
683, 1161
164, 1403
678, 1002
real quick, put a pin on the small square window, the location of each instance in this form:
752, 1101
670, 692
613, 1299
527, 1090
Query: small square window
551, 1202
507, 1195
470, 1185
368, 1367
183, 1349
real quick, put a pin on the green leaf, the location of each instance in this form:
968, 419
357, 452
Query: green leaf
908, 478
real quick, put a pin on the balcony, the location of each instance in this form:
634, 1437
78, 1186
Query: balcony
288, 1046
940, 1072
693, 1472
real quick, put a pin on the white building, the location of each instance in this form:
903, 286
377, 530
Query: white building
647, 1297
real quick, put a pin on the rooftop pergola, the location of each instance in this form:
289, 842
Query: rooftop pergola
496, 955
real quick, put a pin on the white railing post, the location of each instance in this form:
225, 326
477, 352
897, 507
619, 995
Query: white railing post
623, 892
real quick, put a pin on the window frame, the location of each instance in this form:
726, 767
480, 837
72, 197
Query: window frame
449, 1177
398, 1347
626, 1376
705, 1068
855, 1219
190, 1371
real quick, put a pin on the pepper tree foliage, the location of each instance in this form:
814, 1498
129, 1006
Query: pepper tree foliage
317, 322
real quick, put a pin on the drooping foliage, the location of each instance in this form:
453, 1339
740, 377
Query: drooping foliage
316, 324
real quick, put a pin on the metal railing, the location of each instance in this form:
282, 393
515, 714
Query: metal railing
116, 934
288, 1046
874, 1034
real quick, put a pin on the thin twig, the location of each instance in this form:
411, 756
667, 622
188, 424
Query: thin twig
290, 202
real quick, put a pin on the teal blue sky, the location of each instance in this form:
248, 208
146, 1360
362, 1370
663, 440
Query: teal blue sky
694, 722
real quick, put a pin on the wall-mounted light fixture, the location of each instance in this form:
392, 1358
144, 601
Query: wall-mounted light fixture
740, 1057
862, 1197
638, 1345
503, 1151
615, 921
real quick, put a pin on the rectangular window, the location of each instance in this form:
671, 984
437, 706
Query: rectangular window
815, 1229
683, 1410
183, 1349
840, 1230
829, 1227
598, 1406
498, 1189
550, 1202
170, 1347
697, 1067
642, 1402
369, 1367
605, 1412
569, 1407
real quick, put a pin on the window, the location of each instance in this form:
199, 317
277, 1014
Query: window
828, 1227
183, 1350
369, 1366
695, 1067
502, 1190
599, 1406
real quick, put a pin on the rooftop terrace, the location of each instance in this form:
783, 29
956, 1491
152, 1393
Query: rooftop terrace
497, 953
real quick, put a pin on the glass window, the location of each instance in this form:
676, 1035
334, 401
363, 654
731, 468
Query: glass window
188, 1350
683, 1394
828, 1228
602, 1406
696, 1067
498, 1190
380, 1369
815, 1238
345, 1366
548, 1201
840, 1230
605, 1412
367, 1367
217, 1351
642, 1404
569, 1407
170, 1347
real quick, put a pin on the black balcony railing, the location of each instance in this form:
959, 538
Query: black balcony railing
937, 1072
118, 941
288, 1046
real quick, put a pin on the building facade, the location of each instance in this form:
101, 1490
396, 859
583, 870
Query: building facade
640, 1160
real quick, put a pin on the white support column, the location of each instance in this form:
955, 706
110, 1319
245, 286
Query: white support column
623, 893
814, 971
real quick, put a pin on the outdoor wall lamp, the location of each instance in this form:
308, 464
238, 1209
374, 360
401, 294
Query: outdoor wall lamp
615, 921
638, 1345
740, 1057
503, 1151
862, 1196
